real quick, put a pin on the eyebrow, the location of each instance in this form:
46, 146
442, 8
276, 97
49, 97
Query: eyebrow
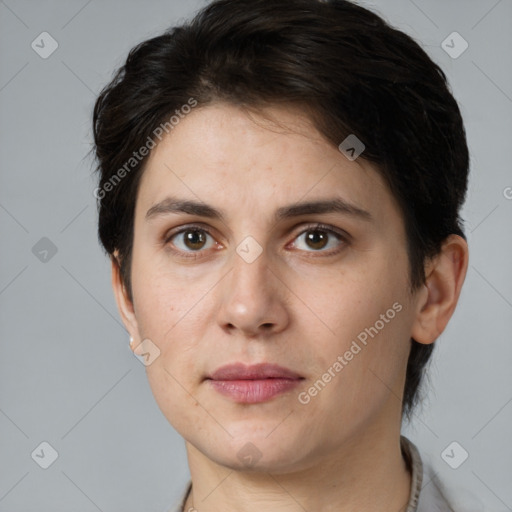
332, 205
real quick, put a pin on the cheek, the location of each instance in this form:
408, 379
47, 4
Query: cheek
167, 316
170, 389
358, 370
348, 301
366, 323
162, 297
156, 306
169, 310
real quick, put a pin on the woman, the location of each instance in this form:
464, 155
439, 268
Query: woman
280, 187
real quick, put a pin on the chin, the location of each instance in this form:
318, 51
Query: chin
259, 453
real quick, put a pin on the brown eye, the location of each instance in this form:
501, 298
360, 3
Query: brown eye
191, 240
320, 238
316, 239
194, 239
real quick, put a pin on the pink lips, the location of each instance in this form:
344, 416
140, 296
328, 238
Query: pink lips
253, 384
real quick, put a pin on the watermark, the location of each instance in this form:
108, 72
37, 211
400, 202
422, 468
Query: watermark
351, 147
44, 45
144, 150
249, 249
44, 455
249, 454
44, 250
305, 396
507, 192
454, 455
146, 352
454, 45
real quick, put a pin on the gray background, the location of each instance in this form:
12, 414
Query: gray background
67, 375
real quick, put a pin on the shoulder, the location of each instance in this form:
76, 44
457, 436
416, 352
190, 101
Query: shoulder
436, 495
430, 492
180, 503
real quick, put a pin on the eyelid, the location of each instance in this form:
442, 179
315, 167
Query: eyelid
185, 227
326, 227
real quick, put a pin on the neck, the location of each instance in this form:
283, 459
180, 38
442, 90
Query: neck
367, 473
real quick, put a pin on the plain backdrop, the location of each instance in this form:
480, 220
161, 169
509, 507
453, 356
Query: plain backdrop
67, 375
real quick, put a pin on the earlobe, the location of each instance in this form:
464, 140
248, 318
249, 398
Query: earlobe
124, 304
437, 299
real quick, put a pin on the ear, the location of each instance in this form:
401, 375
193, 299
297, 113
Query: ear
124, 304
437, 299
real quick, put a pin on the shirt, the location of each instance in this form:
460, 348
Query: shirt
428, 494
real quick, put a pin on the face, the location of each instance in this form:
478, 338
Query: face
321, 291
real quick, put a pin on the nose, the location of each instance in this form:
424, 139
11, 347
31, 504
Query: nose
253, 299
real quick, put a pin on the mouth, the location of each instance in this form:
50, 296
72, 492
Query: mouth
253, 384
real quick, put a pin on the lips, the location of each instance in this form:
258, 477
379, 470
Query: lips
253, 384
239, 371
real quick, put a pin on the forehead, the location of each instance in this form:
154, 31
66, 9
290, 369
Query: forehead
225, 156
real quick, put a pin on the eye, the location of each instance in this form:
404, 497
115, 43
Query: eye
320, 238
191, 239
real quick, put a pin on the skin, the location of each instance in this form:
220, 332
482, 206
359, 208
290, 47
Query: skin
299, 305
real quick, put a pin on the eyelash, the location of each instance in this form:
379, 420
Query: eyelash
341, 235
